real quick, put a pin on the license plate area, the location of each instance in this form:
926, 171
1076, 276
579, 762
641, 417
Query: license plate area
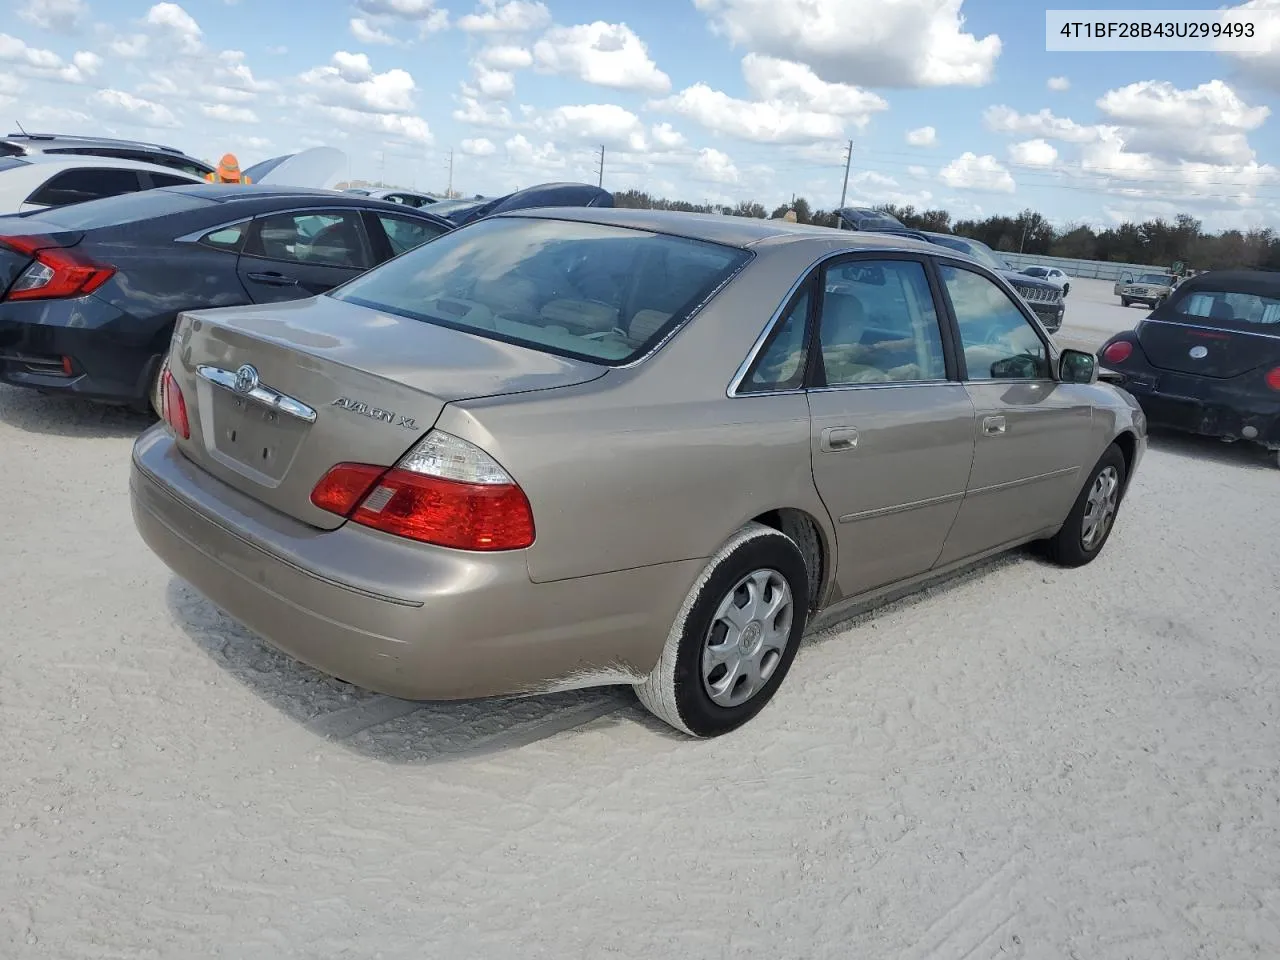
250, 437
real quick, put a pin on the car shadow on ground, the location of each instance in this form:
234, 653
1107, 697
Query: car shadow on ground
385, 728
1242, 453
60, 416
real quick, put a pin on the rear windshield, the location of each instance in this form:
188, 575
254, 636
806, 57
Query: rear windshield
114, 211
1036, 272
972, 247
1242, 310
599, 293
1157, 279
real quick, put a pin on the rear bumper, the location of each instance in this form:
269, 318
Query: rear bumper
108, 360
1207, 407
434, 624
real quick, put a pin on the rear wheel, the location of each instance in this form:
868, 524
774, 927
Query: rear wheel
734, 637
1093, 516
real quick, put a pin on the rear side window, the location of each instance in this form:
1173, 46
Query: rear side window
601, 293
77, 186
228, 239
404, 235
323, 238
781, 364
118, 210
1242, 310
167, 180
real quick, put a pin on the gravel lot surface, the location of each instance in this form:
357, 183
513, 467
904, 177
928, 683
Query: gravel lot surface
1023, 762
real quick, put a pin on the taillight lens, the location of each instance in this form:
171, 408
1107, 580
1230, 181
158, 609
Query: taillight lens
445, 491
174, 405
57, 273
1117, 352
1273, 378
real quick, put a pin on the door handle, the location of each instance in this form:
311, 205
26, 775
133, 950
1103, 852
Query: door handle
274, 279
993, 426
836, 439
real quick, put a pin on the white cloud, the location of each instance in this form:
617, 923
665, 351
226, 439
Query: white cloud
604, 54
228, 114
666, 136
1002, 119
1207, 124
505, 57
119, 105
61, 16
772, 79
923, 137
714, 166
171, 19
1059, 84
605, 123
1033, 153
401, 9
349, 81
366, 32
524, 155
479, 147
45, 64
512, 17
397, 126
132, 47
495, 84
972, 172
909, 43
916, 171
1261, 66
479, 114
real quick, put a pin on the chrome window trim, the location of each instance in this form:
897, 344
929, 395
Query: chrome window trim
1201, 326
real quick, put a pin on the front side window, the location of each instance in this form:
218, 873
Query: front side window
602, 293
77, 186
781, 364
878, 324
404, 235
328, 238
999, 343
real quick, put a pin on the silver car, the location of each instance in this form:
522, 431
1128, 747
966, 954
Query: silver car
564, 448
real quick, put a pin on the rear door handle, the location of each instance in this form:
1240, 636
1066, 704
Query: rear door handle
993, 426
836, 439
275, 279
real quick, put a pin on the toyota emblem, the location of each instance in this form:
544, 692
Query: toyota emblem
1197, 353
246, 379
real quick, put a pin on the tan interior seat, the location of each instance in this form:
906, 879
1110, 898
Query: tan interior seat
580, 316
645, 324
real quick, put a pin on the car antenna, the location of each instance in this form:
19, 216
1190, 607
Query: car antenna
19, 123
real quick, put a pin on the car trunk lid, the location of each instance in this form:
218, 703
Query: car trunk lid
323, 382
1205, 351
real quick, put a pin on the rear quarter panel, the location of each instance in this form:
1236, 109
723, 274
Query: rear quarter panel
654, 463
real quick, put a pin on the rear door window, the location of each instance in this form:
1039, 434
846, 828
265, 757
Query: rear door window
404, 234
326, 238
86, 183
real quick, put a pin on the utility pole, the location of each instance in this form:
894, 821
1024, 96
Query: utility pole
449, 193
848, 159
600, 181
1023, 243
382, 168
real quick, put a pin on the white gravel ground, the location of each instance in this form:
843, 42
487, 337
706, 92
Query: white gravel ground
1025, 762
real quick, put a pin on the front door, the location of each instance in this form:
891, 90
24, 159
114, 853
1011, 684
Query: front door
892, 433
1034, 433
290, 256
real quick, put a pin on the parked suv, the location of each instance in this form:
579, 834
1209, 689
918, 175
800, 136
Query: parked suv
27, 144
1149, 288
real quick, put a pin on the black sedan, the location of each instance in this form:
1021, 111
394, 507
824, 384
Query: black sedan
543, 195
1207, 359
89, 293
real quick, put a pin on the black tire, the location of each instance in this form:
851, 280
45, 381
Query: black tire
1066, 288
1125, 301
675, 691
1068, 547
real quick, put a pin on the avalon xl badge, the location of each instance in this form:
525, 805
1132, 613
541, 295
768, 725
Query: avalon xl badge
375, 413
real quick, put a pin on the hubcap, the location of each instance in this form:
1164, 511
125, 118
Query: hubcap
747, 638
1100, 508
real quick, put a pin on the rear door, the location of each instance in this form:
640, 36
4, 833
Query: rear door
892, 429
1034, 434
303, 253
81, 184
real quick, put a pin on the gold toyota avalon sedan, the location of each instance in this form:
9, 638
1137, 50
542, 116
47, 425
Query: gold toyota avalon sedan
564, 448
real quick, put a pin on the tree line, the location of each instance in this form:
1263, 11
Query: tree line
1158, 241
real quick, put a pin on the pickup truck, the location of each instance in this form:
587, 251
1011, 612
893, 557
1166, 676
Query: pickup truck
1148, 288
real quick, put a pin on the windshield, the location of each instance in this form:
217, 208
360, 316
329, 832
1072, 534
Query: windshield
1036, 272
599, 293
974, 248
114, 211
1231, 309
1158, 279
446, 207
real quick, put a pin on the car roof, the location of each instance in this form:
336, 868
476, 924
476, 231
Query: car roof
1262, 283
721, 228
44, 161
230, 193
43, 141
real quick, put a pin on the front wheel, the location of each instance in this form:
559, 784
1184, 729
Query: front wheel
1125, 301
734, 636
1093, 516
1066, 288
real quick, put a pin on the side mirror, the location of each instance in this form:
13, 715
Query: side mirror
1076, 366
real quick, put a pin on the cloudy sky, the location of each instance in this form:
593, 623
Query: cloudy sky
951, 103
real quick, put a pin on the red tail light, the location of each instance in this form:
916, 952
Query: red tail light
56, 274
445, 492
1273, 378
1118, 352
175, 406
